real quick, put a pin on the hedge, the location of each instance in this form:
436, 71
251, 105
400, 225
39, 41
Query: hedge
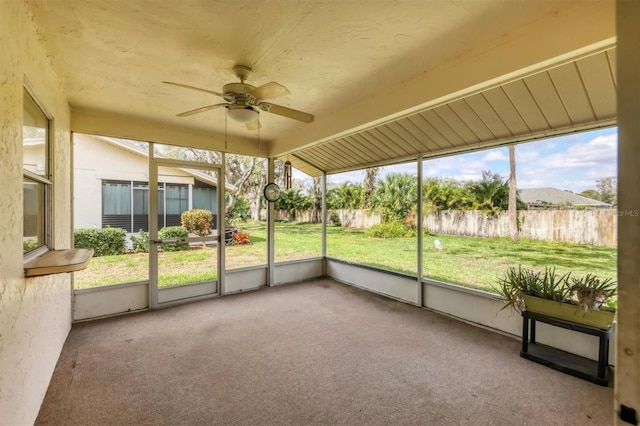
103, 241
173, 232
140, 243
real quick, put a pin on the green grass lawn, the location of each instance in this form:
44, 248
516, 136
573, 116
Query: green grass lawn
469, 261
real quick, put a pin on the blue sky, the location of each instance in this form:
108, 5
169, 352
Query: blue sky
573, 162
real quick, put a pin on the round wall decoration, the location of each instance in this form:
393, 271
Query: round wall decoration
271, 192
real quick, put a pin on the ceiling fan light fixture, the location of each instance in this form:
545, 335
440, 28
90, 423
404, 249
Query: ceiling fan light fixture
242, 114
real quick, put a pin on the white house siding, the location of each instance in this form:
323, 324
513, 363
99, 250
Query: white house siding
35, 313
95, 161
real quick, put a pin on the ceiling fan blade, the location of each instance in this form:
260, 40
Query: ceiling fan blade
287, 112
201, 109
194, 88
270, 91
254, 125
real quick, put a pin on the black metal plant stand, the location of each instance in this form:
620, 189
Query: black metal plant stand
596, 372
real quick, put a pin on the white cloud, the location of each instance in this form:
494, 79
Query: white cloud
495, 155
571, 162
598, 151
576, 168
340, 178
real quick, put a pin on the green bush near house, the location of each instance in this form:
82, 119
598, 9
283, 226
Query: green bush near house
173, 232
198, 221
140, 242
103, 241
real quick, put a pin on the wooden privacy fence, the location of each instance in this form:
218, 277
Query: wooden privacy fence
359, 219
595, 227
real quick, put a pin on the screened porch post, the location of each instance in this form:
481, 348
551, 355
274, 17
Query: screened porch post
270, 229
627, 373
420, 233
324, 222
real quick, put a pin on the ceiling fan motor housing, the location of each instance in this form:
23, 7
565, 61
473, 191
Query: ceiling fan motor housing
239, 94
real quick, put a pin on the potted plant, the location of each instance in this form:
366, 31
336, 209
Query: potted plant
582, 300
591, 292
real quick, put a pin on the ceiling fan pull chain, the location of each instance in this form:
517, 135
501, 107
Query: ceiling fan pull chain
225, 128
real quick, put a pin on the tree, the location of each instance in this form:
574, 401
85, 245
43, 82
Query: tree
513, 195
591, 193
316, 200
292, 200
395, 197
608, 189
369, 183
346, 196
244, 174
446, 194
491, 192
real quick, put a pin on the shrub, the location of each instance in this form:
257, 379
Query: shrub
390, 230
140, 242
240, 238
198, 221
335, 219
103, 241
241, 210
29, 244
174, 232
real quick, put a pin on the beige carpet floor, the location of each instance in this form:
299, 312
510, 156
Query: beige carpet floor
317, 353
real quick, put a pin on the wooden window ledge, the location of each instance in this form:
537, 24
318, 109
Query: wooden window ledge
58, 262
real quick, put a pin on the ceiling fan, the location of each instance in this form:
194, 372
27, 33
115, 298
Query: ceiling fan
244, 101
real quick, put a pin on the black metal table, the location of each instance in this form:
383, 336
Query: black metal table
596, 372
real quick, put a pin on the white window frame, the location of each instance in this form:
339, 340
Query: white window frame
46, 181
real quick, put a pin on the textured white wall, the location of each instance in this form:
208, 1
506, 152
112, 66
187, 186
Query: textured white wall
35, 314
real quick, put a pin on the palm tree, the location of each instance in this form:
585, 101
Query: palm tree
316, 200
395, 196
446, 194
513, 195
346, 196
491, 192
369, 183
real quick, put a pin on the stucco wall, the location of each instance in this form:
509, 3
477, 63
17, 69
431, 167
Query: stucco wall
35, 314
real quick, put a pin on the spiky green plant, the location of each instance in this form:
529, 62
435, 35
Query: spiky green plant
514, 283
588, 292
517, 282
591, 292
551, 287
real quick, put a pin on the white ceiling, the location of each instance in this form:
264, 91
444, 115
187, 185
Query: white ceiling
354, 64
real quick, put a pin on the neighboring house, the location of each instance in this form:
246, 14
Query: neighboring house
111, 186
554, 197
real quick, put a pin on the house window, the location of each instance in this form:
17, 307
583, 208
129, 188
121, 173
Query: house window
177, 202
116, 204
36, 181
125, 204
205, 197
